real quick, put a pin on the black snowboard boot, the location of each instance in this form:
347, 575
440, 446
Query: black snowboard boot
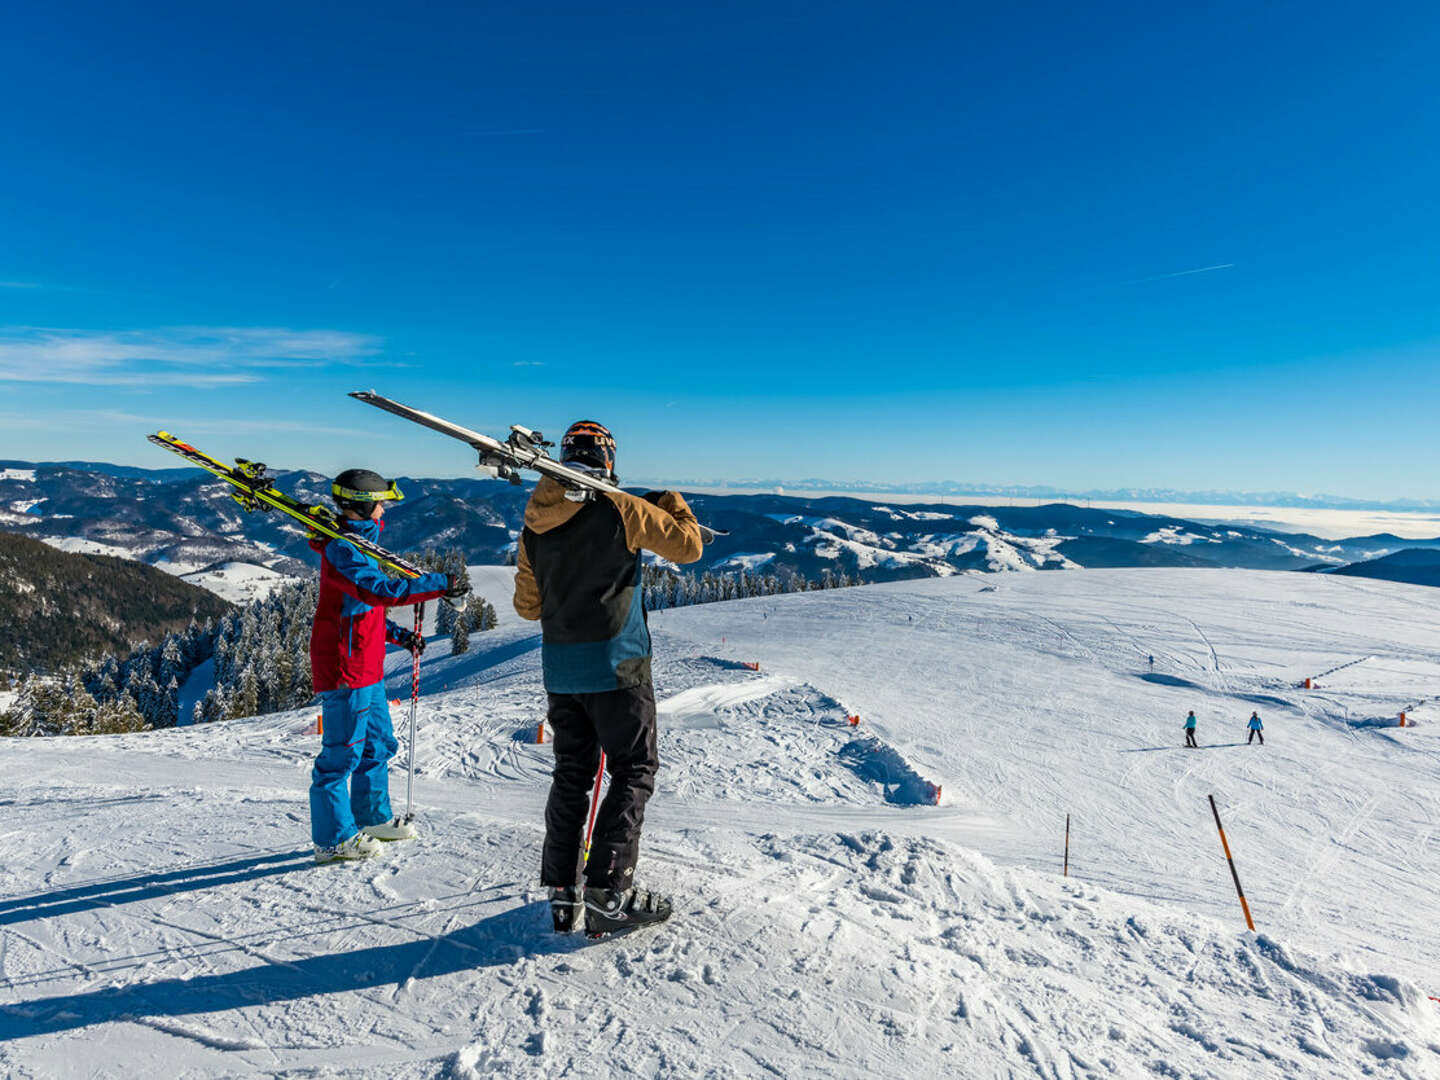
610, 910
566, 906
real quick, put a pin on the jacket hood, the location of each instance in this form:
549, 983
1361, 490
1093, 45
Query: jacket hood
548, 508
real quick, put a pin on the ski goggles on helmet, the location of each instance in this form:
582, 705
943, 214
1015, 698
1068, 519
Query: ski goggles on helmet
390, 493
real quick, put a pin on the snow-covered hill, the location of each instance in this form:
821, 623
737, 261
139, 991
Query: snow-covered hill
157, 905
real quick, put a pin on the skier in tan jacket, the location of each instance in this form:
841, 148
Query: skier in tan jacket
578, 571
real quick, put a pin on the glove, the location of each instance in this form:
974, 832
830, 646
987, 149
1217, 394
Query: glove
408, 639
455, 592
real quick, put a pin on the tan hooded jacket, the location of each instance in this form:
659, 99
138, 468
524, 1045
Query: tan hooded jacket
667, 527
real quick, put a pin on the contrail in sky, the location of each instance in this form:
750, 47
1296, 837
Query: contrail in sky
1182, 273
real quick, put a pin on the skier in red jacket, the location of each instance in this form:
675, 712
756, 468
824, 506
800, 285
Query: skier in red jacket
347, 662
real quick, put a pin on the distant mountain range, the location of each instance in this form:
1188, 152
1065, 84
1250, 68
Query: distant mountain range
956, 489
184, 521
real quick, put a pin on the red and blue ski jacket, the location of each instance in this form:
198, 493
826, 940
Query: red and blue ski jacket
347, 642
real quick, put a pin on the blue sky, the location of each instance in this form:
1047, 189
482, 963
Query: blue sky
1080, 245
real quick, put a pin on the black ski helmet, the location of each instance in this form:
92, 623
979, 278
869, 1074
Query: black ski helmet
589, 443
360, 489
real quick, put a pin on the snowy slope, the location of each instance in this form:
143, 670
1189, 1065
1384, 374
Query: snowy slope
157, 905
239, 582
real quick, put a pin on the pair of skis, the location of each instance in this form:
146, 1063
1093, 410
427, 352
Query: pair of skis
522, 449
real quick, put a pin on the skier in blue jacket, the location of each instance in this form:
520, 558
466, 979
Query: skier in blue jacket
347, 663
1190, 731
1256, 728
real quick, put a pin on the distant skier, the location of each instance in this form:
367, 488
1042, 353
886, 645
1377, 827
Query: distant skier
347, 659
578, 571
1256, 729
1190, 730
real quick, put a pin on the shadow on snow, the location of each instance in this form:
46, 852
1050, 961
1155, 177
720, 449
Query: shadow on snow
872, 760
107, 893
498, 940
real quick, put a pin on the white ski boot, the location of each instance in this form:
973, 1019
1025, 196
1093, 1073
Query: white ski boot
396, 829
358, 846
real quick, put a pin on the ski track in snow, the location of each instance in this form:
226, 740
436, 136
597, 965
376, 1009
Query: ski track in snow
159, 900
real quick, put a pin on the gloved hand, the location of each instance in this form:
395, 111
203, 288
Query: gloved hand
408, 639
455, 592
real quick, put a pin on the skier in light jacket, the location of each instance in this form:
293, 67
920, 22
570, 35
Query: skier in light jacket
578, 571
1256, 728
347, 663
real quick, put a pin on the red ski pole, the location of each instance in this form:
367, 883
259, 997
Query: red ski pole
594, 804
414, 701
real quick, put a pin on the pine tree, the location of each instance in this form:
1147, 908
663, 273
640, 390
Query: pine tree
117, 716
459, 633
246, 699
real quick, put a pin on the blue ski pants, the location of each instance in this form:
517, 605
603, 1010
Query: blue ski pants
357, 746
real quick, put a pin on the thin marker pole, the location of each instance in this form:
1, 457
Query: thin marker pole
594, 804
1067, 845
1231, 860
414, 702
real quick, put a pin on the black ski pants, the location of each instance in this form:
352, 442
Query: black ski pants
1253, 733
622, 723
1190, 738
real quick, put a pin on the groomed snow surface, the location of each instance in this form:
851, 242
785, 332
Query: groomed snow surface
160, 915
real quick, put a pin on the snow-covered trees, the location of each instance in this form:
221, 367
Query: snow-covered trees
478, 615
262, 656
60, 705
666, 588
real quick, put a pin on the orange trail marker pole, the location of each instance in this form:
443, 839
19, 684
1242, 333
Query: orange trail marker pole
540, 733
594, 805
1231, 860
1067, 845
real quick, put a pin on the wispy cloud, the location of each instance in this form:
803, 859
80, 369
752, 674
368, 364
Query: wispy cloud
1183, 273
195, 356
99, 419
528, 363
19, 285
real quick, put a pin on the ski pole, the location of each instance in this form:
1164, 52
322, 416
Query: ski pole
594, 804
414, 702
